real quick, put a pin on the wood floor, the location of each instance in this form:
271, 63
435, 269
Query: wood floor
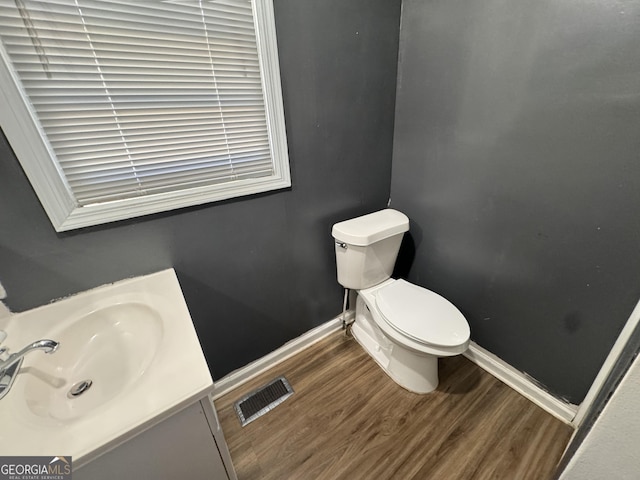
348, 420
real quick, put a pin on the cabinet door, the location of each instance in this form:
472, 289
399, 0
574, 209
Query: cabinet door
181, 446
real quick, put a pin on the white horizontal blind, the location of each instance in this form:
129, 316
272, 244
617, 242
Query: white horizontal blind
144, 97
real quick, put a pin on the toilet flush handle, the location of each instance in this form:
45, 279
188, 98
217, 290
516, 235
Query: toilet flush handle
341, 245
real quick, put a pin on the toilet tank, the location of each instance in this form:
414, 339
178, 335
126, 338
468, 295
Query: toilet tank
367, 247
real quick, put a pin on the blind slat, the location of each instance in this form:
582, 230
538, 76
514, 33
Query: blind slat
108, 135
157, 155
158, 149
257, 162
149, 114
111, 192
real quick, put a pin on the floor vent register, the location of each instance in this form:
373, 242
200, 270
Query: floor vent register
262, 400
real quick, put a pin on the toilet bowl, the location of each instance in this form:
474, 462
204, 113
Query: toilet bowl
405, 328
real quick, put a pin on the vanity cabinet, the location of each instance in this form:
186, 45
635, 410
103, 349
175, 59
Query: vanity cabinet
188, 444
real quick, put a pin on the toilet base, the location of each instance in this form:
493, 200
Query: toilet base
414, 371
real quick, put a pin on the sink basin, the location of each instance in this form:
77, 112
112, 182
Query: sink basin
129, 351
111, 347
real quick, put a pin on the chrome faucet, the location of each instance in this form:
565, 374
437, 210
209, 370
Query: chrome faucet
10, 366
49, 346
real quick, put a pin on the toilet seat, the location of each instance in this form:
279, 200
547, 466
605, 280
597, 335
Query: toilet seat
421, 315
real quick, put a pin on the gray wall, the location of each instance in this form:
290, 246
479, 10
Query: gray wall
516, 156
257, 271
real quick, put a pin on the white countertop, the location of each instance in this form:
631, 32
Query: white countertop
174, 373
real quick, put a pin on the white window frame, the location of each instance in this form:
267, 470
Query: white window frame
22, 129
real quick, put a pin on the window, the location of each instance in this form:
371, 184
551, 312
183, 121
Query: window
118, 109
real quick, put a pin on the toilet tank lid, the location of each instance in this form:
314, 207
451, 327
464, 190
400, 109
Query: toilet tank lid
371, 228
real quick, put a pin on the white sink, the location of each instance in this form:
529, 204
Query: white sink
133, 341
111, 347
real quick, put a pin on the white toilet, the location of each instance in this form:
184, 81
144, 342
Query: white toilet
404, 327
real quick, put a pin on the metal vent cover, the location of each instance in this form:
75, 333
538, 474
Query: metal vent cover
262, 400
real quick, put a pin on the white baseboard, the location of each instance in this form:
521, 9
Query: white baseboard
521, 383
252, 370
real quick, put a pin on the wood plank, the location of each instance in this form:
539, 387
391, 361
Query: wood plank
348, 420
